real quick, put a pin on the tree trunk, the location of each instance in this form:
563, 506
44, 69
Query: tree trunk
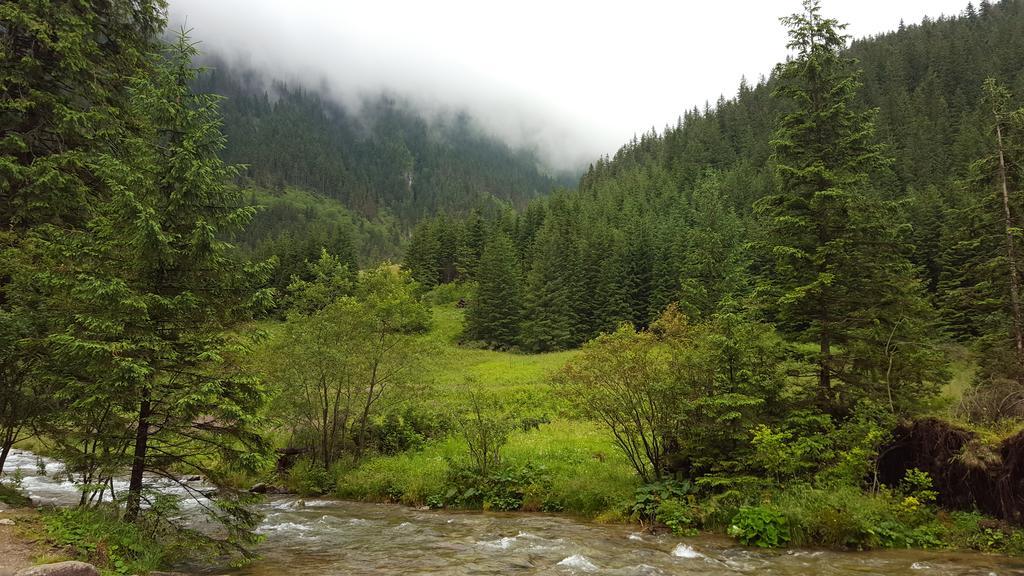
139, 459
824, 370
369, 398
8, 441
1011, 254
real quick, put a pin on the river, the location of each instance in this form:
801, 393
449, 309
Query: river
332, 537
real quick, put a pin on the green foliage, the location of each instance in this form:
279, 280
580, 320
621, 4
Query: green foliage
974, 531
485, 426
678, 516
678, 397
623, 380
132, 269
649, 498
310, 478
918, 485
10, 494
760, 527
840, 277
101, 537
503, 488
329, 281
495, 311
336, 367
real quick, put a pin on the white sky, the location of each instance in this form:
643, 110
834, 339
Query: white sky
578, 79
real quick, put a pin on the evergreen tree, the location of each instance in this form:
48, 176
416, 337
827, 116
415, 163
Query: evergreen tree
66, 76
712, 262
152, 291
840, 280
552, 289
495, 313
422, 257
980, 287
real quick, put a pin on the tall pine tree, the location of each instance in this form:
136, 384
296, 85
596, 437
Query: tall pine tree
841, 280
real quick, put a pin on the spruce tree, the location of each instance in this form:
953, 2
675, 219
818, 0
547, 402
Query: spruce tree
713, 261
494, 315
66, 78
841, 280
152, 291
422, 257
553, 291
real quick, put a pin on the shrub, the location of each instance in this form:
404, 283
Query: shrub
677, 516
11, 495
648, 499
485, 427
759, 526
506, 488
409, 478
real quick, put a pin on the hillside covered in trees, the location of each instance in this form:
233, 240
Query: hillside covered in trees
681, 214
385, 159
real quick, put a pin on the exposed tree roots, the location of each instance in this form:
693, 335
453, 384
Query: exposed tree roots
967, 473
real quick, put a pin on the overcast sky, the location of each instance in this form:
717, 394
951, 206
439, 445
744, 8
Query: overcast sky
577, 79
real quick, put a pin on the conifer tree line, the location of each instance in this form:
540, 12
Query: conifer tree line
866, 225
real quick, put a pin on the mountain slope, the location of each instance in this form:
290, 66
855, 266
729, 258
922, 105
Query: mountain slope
386, 158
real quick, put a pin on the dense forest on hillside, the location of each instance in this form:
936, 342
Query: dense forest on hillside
672, 215
386, 158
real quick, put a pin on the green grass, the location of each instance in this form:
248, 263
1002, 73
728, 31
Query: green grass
587, 474
523, 380
962, 370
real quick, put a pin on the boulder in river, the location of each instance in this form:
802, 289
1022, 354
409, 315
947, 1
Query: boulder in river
71, 568
6, 522
264, 488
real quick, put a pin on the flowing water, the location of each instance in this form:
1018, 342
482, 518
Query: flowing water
330, 537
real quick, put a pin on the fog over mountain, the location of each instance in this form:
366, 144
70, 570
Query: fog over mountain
574, 80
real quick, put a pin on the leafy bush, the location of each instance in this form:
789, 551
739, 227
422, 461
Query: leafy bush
647, 499
505, 488
759, 526
407, 429
678, 516
485, 425
918, 485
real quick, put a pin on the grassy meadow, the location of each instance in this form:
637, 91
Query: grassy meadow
575, 461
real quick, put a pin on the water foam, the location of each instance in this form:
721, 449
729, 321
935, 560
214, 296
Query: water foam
579, 562
685, 551
284, 527
500, 544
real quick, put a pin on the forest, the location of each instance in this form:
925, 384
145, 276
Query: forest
793, 317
